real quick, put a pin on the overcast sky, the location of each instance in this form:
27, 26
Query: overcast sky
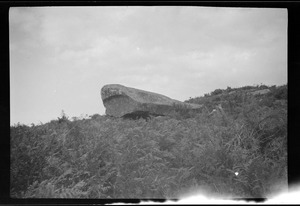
61, 57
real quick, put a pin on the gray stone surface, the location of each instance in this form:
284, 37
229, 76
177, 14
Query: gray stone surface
120, 100
259, 92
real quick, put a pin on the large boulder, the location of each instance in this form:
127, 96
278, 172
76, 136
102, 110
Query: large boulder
120, 101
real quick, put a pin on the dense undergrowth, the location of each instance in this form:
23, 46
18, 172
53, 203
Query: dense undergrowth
241, 152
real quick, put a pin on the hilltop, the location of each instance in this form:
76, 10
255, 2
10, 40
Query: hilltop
235, 146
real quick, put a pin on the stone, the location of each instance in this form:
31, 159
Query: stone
120, 100
218, 111
260, 92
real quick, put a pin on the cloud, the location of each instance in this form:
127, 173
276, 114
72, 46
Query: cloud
180, 52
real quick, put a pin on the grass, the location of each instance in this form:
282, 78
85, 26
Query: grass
241, 153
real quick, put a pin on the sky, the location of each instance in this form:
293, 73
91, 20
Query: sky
61, 57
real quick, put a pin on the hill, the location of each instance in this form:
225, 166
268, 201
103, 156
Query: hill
236, 146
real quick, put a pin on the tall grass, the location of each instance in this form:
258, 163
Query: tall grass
242, 153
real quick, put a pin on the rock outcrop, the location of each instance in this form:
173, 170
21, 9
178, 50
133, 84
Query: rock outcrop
122, 101
260, 92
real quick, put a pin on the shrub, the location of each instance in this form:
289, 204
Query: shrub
217, 91
280, 92
63, 117
182, 111
228, 89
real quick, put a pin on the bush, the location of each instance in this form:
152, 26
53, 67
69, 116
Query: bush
63, 117
217, 91
228, 89
280, 92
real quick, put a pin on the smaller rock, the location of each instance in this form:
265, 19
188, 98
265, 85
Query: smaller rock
260, 92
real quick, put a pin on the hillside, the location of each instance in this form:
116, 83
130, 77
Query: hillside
236, 146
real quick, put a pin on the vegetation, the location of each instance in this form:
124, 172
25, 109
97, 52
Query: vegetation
239, 153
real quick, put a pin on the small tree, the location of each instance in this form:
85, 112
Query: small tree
63, 117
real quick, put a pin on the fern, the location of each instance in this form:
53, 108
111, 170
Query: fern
241, 152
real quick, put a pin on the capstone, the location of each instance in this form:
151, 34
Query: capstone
120, 100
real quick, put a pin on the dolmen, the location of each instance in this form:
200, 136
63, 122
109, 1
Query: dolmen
122, 101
